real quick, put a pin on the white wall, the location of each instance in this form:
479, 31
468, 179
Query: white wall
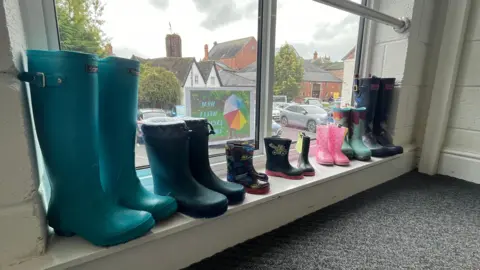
402, 56
209, 79
461, 151
190, 82
22, 219
348, 70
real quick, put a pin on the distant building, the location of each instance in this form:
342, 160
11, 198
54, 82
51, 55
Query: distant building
348, 73
173, 45
209, 72
236, 54
185, 69
318, 82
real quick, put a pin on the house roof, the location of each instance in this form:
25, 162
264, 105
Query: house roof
314, 73
349, 52
328, 66
229, 78
180, 66
205, 67
227, 49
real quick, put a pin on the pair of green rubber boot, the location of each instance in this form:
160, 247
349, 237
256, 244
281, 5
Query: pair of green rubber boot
354, 120
84, 112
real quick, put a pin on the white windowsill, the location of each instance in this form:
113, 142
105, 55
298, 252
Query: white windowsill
69, 252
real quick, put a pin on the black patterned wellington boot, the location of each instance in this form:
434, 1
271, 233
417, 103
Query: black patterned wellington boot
240, 168
303, 162
277, 159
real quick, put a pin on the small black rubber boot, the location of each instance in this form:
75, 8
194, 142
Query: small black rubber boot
167, 145
303, 162
200, 164
277, 159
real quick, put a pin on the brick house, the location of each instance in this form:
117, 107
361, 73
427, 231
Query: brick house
236, 54
318, 82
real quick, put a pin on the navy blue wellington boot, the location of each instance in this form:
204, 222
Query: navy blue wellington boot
385, 96
366, 96
200, 164
118, 86
167, 144
64, 95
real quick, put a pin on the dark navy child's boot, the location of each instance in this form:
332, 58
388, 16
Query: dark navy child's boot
64, 95
200, 164
168, 150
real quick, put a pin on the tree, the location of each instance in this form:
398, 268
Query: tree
158, 88
79, 23
288, 72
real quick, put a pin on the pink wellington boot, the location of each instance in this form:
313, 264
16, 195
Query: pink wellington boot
336, 135
322, 154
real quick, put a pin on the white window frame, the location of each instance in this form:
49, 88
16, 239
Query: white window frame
42, 33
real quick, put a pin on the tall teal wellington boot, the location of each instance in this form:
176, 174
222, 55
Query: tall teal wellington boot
168, 150
64, 93
357, 130
118, 87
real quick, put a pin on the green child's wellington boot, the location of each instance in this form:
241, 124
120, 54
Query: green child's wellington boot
200, 164
118, 87
341, 116
360, 151
64, 94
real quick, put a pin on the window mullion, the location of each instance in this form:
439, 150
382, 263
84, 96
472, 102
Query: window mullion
269, 11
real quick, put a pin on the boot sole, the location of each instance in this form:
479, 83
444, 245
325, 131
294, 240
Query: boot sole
309, 174
325, 163
257, 191
280, 174
342, 164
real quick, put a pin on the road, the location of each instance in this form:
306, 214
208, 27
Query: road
141, 158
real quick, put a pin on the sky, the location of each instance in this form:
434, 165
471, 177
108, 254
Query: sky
139, 27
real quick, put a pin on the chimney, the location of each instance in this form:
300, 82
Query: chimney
315, 55
205, 58
173, 44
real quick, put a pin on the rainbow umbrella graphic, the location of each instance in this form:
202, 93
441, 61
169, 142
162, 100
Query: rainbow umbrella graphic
234, 112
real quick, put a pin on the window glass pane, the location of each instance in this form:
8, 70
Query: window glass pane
198, 58
314, 63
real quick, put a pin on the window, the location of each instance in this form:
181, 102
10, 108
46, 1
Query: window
322, 41
170, 53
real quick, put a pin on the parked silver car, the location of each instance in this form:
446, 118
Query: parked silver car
303, 116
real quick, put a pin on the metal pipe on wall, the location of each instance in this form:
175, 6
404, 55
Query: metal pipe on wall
399, 25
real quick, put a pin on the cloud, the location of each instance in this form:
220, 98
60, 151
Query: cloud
333, 39
221, 13
160, 4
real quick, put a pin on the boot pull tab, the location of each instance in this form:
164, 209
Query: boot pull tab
211, 130
40, 79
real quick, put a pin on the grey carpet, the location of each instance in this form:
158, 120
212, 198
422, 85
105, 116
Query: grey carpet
412, 222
